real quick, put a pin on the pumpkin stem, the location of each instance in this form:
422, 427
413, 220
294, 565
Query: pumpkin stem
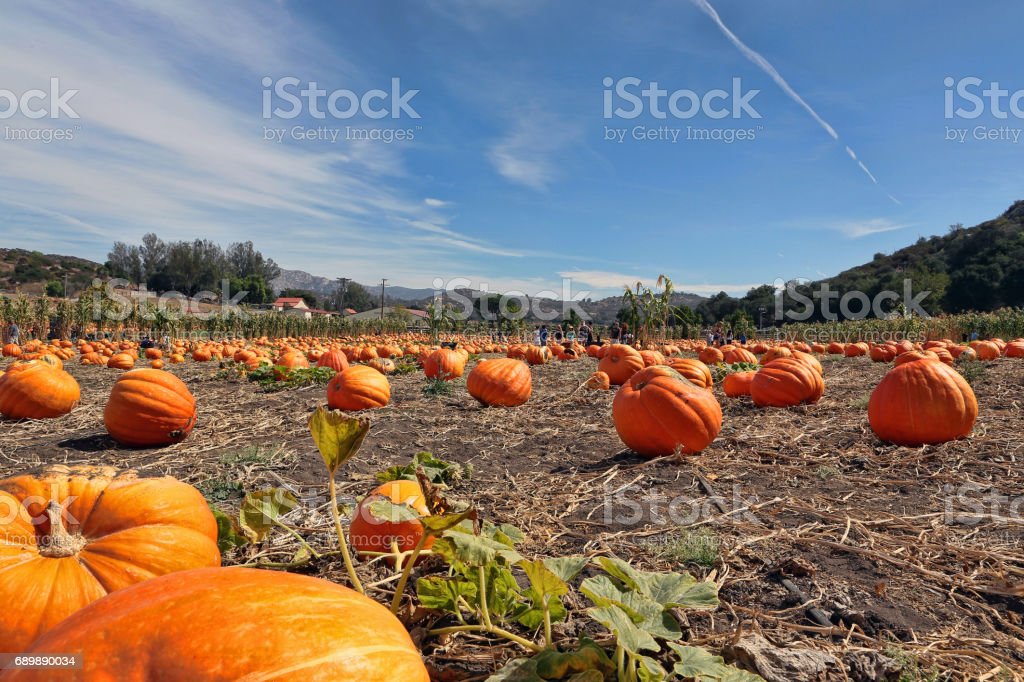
59, 543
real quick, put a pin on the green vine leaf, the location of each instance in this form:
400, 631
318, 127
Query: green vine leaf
229, 534
337, 436
700, 665
261, 509
442, 593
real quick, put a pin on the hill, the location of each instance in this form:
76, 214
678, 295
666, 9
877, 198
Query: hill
31, 271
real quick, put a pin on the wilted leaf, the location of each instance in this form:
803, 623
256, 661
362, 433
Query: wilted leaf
668, 589
649, 670
437, 471
261, 509
337, 436
589, 663
700, 665
618, 622
473, 550
439, 523
229, 535
384, 510
442, 593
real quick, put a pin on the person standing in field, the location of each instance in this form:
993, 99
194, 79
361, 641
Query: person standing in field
614, 332
543, 335
13, 334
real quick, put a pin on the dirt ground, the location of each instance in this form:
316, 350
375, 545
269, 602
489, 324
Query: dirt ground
916, 552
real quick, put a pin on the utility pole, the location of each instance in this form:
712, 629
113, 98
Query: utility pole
344, 289
383, 283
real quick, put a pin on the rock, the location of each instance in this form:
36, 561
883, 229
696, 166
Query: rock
774, 664
871, 666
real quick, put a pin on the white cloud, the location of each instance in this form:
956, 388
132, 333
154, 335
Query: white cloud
526, 154
606, 280
863, 228
435, 203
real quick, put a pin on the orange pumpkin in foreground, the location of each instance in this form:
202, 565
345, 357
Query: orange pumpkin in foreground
68, 536
694, 371
334, 359
786, 382
620, 362
149, 407
920, 402
598, 381
444, 364
221, 624
35, 390
738, 384
504, 382
657, 412
369, 533
358, 388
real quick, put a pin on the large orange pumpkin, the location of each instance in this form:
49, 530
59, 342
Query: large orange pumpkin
11, 350
149, 407
68, 536
358, 388
371, 534
505, 382
334, 359
222, 624
786, 382
444, 363
657, 412
924, 401
735, 355
620, 362
710, 355
738, 384
121, 361
598, 381
35, 390
694, 371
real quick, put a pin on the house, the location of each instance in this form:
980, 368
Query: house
284, 304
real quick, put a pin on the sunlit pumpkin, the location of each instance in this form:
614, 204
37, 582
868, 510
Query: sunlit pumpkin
358, 388
36, 390
149, 407
786, 382
370, 533
620, 362
502, 382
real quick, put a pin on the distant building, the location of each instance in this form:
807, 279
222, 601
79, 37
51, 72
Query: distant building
282, 305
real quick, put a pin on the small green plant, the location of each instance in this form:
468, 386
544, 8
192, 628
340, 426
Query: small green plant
722, 370
436, 388
437, 471
860, 403
699, 547
972, 371
911, 669
259, 455
220, 489
272, 378
826, 471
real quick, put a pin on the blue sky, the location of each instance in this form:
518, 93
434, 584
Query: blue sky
509, 179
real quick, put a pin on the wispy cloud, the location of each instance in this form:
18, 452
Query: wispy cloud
527, 154
435, 203
864, 228
608, 280
774, 74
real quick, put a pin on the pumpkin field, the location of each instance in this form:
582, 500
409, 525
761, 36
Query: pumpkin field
776, 510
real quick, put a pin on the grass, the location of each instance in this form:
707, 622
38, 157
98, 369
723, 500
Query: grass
260, 455
861, 403
911, 669
826, 472
220, 489
972, 371
437, 388
699, 547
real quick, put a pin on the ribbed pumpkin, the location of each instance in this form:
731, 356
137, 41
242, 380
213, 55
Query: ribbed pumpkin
68, 536
986, 350
809, 360
883, 353
382, 364
652, 357
620, 362
154, 353
694, 371
1015, 349
444, 363
503, 382
657, 411
222, 624
786, 382
738, 384
149, 407
537, 355
334, 359
924, 401
776, 353
710, 355
358, 388
735, 355
598, 381
369, 533
35, 390
121, 361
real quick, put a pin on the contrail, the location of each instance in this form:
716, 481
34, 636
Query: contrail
766, 66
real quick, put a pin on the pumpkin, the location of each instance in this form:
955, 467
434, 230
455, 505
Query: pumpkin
810, 360
915, 355
920, 402
856, 350
11, 350
1015, 349
368, 533
202, 355
69, 536
735, 355
836, 348
121, 361
658, 412
537, 355
598, 381
221, 624
504, 382
35, 390
652, 357
335, 359
738, 384
149, 407
154, 353
694, 371
786, 382
710, 356
986, 350
358, 388
620, 362
444, 363
883, 353
382, 364
775, 354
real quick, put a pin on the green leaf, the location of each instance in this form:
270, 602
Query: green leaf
504, 597
262, 508
437, 524
700, 665
229, 535
646, 614
566, 567
629, 636
442, 593
506, 534
384, 510
472, 550
542, 579
437, 471
588, 663
668, 589
649, 670
337, 436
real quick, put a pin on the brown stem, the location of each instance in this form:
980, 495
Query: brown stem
59, 543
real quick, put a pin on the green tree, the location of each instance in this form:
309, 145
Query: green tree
54, 289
